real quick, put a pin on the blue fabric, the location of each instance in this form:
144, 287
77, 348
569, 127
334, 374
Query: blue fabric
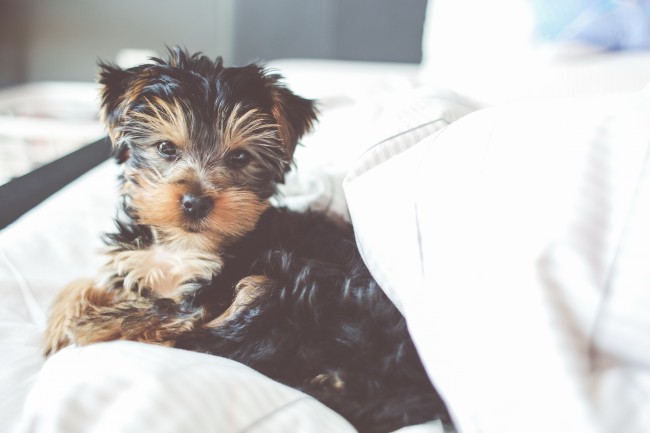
607, 24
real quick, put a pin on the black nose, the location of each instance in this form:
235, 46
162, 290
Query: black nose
196, 207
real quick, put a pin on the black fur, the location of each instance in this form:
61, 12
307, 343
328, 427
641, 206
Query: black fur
210, 91
320, 323
322, 314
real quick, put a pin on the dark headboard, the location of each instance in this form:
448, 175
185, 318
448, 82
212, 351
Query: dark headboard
23, 193
374, 30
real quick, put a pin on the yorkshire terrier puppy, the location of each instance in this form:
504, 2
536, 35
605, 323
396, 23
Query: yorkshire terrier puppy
200, 259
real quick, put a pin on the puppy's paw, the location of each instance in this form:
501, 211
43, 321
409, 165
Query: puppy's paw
69, 305
56, 335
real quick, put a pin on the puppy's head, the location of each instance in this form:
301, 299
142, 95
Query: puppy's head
204, 146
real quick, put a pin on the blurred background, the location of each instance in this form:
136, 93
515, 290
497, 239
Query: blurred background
49, 51
62, 39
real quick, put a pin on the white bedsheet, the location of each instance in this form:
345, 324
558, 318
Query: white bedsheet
478, 214
518, 251
39, 254
130, 387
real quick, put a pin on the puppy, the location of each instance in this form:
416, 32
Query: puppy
200, 260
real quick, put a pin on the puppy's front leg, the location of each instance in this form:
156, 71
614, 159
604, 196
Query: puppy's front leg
147, 319
72, 302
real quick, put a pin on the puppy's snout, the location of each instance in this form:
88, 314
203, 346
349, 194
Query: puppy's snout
196, 207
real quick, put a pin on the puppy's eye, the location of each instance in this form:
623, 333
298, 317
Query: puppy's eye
239, 158
167, 149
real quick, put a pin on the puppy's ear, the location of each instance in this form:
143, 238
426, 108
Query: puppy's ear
115, 86
294, 115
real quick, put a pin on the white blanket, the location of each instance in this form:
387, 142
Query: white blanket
515, 241
517, 244
129, 387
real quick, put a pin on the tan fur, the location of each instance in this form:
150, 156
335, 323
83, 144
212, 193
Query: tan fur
163, 269
83, 314
288, 134
241, 128
71, 302
330, 381
131, 94
247, 290
169, 122
135, 319
234, 214
87, 329
158, 203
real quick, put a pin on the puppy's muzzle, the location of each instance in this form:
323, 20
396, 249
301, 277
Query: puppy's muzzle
195, 207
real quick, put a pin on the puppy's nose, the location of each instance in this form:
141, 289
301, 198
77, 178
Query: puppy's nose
196, 207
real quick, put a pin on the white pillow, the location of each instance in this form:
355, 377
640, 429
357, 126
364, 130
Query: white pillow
407, 124
133, 387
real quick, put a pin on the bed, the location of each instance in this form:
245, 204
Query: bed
517, 196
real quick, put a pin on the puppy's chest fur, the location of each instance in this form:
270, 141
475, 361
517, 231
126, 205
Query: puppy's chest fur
137, 263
